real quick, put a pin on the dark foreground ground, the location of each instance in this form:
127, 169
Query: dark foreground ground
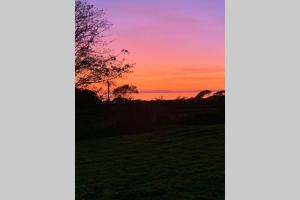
176, 163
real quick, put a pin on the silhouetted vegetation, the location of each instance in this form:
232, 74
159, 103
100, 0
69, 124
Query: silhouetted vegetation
125, 91
220, 93
203, 94
124, 116
94, 61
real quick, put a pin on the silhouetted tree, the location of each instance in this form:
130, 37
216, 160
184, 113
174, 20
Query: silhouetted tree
86, 98
125, 91
180, 98
203, 94
159, 98
219, 93
94, 63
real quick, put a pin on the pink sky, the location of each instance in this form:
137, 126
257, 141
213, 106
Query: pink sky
175, 45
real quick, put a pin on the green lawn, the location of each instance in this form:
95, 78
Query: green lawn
183, 163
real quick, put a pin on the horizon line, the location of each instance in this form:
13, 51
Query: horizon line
174, 91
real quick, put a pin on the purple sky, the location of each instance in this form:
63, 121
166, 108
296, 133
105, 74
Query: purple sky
176, 44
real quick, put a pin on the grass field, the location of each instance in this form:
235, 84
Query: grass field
180, 163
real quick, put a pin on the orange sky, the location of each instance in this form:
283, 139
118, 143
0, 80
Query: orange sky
175, 45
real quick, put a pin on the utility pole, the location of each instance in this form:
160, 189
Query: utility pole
108, 91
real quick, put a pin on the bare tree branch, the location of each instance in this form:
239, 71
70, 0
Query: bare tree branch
93, 64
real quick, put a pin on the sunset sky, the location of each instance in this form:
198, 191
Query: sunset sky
176, 45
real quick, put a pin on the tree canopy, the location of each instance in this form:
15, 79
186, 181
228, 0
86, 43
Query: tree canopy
219, 93
202, 94
125, 91
94, 61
